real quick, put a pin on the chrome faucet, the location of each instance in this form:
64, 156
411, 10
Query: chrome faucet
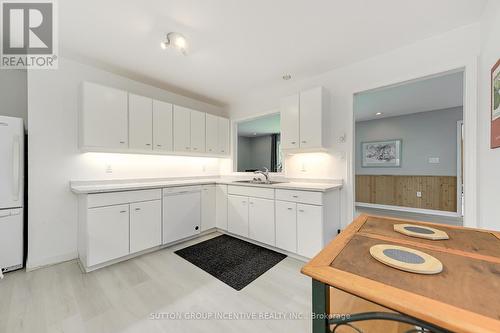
265, 173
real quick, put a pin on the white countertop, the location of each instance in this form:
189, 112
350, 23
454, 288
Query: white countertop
87, 187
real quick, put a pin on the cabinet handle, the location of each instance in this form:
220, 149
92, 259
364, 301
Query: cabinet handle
251, 203
295, 196
301, 210
223, 151
122, 142
293, 142
290, 208
187, 148
148, 144
195, 148
304, 141
209, 149
158, 145
137, 209
123, 211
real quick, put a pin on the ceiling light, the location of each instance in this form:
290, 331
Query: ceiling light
378, 113
287, 77
175, 40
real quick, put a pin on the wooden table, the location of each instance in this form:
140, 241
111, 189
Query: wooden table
464, 297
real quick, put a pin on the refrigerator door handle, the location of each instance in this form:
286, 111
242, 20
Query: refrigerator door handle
16, 156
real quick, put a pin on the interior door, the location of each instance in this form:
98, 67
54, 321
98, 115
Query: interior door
197, 131
140, 114
162, 126
182, 129
261, 220
181, 214
11, 162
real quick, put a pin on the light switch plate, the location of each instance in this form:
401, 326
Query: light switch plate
419, 194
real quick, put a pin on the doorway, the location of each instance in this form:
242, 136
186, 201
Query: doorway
408, 149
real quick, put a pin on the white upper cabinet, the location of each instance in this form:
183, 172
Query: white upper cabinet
197, 131
224, 139
182, 129
304, 119
212, 134
312, 112
162, 126
104, 117
289, 107
140, 115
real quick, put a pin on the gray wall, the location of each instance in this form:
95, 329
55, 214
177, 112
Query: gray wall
424, 135
254, 152
14, 94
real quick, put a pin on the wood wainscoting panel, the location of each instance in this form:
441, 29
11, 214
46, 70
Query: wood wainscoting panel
438, 192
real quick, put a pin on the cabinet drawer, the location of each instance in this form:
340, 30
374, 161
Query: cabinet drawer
256, 192
313, 198
117, 198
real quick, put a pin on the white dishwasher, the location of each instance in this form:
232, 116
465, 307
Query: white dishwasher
181, 212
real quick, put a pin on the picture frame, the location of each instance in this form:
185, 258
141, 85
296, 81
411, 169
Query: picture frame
495, 106
381, 154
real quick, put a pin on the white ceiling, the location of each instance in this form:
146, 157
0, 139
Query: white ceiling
260, 126
435, 93
238, 45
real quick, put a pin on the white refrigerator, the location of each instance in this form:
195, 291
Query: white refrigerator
11, 193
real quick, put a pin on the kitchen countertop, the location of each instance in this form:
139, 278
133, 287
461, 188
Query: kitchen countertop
87, 187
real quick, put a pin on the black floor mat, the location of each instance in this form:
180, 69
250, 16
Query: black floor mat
233, 261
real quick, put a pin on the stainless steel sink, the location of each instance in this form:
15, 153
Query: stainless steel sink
260, 182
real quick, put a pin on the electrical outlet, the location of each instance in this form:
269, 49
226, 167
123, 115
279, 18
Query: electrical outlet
109, 168
419, 194
434, 160
303, 168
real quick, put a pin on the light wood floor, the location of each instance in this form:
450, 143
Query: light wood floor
122, 297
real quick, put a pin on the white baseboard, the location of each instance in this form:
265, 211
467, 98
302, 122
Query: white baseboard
408, 209
31, 266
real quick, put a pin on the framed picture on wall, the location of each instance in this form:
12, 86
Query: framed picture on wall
381, 154
495, 105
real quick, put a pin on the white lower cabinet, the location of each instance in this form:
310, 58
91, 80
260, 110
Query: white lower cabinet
261, 220
145, 225
208, 207
221, 206
237, 215
286, 225
309, 230
108, 233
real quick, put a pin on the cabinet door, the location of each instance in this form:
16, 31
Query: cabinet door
212, 135
286, 226
237, 216
207, 207
289, 108
311, 120
140, 122
162, 126
182, 129
221, 206
145, 225
261, 220
197, 131
108, 233
104, 118
224, 136
181, 215
309, 230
